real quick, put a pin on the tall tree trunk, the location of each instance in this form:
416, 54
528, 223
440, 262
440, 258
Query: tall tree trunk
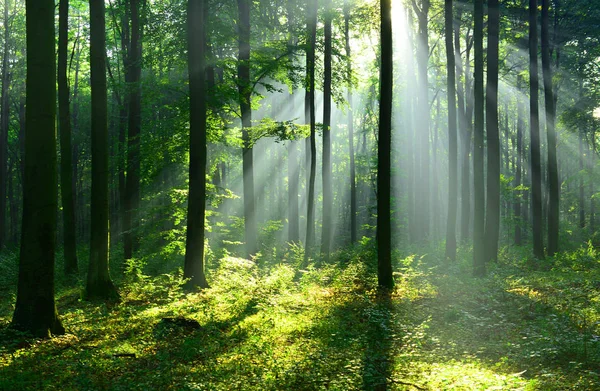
591, 162
581, 190
350, 121
478, 187
423, 203
35, 309
553, 185
66, 152
4, 129
384, 230
519, 169
492, 221
132, 181
293, 163
465, 110
327, 187
245, 92
452, 136
194, 247
99, 284
310, 70
536, 170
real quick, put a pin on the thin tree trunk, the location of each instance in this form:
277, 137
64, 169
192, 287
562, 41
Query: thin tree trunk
424, 196
478, 187
519, 170
327, 187
310, 62
452, 135
536, 175
66, 152
4, 113
350, 120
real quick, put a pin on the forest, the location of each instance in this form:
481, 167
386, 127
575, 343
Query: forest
299, 195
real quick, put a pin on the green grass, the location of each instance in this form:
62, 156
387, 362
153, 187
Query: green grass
524, 327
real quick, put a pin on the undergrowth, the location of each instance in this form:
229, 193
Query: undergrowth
265, 325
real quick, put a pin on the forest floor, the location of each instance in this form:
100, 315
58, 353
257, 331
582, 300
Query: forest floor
525, 326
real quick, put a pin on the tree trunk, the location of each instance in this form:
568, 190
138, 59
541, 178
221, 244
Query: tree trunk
4, 130
423, 199
327, 187
536, 174
99, 284
245, 92
519, 169
465, 109
553, 185
452, 136
66, 152
35, 309
492, 221
581, 190
478, 189
350, 121
310, 70
132, 181
194, 247
384, 232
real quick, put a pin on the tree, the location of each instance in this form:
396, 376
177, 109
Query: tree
327, 187
4, 121
452, 136
384, 229
245, 90
310, 75
423, 192
132, 181
35, 309
478, 190
492, 217
350, 120
66, 151
536, 175
549, 99
194, 248
99, 284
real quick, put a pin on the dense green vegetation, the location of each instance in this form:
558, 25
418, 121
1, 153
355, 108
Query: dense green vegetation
276, 327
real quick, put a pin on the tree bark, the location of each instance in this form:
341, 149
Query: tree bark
492, 221
350, 120
194, 248
384, 230
452, 135
327, 187
4, 113
99, 284
246, 111
66, 151
553, 185
519, 169
310, 70
478, 189
536, 175
132, 180
35, 309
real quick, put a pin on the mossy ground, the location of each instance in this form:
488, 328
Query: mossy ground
524, 327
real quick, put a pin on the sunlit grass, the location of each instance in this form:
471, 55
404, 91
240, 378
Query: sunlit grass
277, 328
